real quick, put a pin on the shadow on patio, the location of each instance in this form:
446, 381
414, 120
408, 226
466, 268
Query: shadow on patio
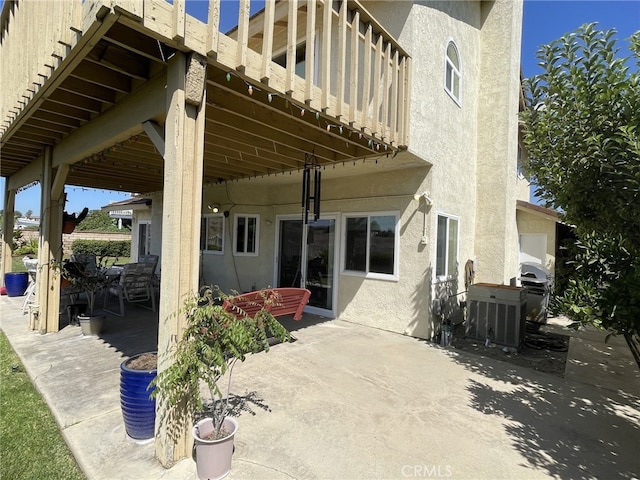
137, 331
563, 427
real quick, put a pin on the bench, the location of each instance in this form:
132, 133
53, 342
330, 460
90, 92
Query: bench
277, 301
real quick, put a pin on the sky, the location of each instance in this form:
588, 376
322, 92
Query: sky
543, 22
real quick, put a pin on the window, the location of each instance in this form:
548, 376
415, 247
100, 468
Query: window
245, 234
371, 245
144, 238
447, 247
452, 72
300, 60
212, 234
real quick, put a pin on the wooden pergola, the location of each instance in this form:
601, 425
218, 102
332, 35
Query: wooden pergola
141, 97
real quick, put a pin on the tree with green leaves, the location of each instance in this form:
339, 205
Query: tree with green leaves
582, 135
99, 221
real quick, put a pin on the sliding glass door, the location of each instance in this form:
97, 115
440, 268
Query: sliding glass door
307, 258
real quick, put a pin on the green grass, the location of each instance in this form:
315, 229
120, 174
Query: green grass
31, 445
17, 264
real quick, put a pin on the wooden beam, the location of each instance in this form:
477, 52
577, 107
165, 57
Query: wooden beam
57, 186
92, 35
137, 43
156, 134
116, 124
102, 76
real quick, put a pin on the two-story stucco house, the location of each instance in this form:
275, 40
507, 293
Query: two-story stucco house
367, 150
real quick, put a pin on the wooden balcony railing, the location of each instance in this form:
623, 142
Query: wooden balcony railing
332, 56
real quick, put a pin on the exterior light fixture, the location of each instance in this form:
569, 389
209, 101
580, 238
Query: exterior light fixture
425, 195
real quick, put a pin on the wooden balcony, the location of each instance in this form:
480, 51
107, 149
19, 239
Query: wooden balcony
296, 77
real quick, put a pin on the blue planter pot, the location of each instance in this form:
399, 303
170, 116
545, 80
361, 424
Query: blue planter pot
16, 283
138, 410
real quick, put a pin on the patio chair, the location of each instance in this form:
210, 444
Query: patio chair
152, 259
88, 261
31, 264
135, 285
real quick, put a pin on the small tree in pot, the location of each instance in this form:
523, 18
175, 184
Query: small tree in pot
214, 339
88, 278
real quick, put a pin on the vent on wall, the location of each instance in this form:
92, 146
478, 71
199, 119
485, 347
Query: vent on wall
497, 314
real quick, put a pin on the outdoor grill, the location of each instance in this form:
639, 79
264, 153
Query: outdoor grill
537, 282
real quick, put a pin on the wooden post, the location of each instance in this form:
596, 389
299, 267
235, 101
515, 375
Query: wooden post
292, 40
325, 66
51, 207
310, 52
213, 24
184, 151
243, 35
267, 40
7, 226
366, 78
353, 86
342, 58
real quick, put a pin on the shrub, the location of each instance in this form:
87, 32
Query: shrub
103, 248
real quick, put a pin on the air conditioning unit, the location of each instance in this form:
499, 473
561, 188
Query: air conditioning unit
497, 314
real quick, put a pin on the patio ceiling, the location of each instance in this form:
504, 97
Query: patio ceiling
248, 133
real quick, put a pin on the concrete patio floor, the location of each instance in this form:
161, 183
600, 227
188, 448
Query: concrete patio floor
351, 402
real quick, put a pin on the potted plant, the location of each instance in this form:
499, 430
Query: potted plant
214, 339
138, 407
87, 279
69, 221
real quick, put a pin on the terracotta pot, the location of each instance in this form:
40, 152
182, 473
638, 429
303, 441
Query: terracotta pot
68, 227
213, 457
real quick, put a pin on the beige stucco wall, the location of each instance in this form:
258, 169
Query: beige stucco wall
472, 146
397, 305
496, 229
464, 155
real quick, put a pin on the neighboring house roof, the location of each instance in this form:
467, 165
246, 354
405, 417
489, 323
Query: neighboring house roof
539, 210
128, 204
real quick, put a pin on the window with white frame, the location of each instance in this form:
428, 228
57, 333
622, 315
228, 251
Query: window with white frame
447, 247
371, 245
452, 72
246, 234
144, 237
212, 234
